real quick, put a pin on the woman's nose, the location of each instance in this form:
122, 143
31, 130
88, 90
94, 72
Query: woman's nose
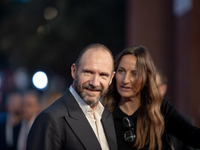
126, 78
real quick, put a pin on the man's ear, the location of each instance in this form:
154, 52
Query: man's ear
113, 74
73, 70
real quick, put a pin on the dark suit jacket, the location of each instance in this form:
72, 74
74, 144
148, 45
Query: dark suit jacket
63, 126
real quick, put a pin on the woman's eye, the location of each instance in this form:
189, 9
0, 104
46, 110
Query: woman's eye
134, 74
119, 70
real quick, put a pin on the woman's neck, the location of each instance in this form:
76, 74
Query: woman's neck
129, 106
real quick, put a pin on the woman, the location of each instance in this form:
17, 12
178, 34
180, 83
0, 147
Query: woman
141, 117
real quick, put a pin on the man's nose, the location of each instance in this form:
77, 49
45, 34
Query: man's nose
95, 80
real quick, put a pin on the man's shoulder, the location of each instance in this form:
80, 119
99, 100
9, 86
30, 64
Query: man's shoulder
59, 106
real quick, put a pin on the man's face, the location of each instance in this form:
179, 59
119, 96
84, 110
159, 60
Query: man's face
93, 75
31, 107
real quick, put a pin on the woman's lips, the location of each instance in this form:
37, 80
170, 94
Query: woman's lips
125, 88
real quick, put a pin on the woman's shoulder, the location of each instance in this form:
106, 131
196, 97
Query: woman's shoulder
117, 113
167, 107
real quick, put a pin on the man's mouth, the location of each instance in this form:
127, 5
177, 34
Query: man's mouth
93, 90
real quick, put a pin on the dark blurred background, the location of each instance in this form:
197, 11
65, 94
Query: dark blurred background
49, 34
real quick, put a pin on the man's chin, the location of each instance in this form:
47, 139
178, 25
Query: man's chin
91, 101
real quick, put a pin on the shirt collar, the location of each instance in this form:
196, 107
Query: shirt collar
85, 107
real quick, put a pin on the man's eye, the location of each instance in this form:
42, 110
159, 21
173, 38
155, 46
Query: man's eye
87, 72
104, 75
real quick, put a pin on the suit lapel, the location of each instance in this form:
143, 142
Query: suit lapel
108, 125
79, 123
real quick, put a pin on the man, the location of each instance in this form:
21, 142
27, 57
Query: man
77, 120
10, 122
30, 109
161, 81
173, 142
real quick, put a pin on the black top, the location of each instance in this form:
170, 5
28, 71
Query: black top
175, 124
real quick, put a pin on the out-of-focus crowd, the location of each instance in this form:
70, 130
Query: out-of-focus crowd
18, 109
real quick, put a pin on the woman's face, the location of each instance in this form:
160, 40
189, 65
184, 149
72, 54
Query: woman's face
128, 82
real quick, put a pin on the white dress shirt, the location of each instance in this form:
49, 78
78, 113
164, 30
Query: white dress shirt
94, 118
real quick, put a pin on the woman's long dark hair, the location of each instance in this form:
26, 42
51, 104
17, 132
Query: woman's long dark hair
150, 122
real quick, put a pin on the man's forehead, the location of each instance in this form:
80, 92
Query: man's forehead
97, 51
99, 66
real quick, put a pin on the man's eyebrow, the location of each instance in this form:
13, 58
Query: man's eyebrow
87, 70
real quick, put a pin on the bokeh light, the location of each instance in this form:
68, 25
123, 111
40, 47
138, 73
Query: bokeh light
40, 80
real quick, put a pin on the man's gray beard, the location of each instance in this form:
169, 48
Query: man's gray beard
90, 102
83, 96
